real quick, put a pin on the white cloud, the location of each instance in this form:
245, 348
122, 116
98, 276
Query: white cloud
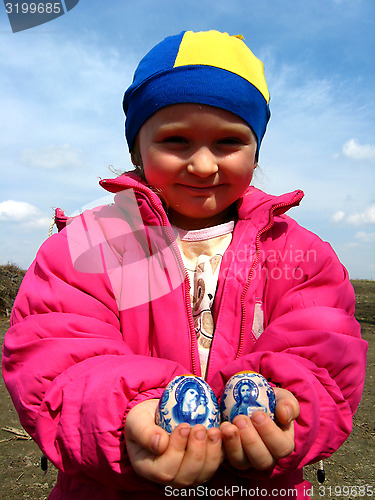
25, 217
353, 244
365, 237
365, 217
355, 151
40, 223
15, 211
356, 219
338, 216
53, 157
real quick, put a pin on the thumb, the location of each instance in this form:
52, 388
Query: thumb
140, 428
287, 406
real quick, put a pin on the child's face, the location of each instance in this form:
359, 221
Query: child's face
202, 159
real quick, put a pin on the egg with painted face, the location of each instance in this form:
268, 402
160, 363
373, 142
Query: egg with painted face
189, 399
245, 393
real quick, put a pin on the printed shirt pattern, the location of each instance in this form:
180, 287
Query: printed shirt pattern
202, 251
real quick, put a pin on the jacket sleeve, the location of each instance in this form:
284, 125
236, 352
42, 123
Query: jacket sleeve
311, 344
69, 371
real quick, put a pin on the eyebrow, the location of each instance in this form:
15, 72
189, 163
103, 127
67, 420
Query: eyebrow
225, 129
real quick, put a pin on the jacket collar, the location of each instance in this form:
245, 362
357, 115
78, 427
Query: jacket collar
259, 206
124, 181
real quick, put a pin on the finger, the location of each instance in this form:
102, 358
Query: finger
287, 406
194, 458
214, 448
279, 442
254, 449
140, 428
214, 456
234, 451
164, 468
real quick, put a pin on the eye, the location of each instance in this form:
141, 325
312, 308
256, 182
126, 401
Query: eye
174, 142
175, 139
230, 141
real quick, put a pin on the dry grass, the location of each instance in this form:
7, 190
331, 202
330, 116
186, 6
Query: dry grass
11, 277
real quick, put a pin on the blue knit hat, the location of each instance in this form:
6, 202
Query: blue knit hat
207, 67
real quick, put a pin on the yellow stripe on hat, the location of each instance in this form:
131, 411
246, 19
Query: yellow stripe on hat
212, 48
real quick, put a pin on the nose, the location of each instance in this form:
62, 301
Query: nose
203, 163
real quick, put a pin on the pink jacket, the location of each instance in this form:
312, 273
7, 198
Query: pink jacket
103, 321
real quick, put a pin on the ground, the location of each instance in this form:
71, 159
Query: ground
350, 472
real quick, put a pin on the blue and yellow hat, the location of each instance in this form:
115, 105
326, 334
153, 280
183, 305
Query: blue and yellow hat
207, 67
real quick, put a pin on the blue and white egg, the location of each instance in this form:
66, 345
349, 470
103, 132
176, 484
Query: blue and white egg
189, 399
245, 393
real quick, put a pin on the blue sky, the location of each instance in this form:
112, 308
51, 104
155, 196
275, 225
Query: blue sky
62, 127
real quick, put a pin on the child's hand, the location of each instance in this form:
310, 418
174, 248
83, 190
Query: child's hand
259, 442
189, 456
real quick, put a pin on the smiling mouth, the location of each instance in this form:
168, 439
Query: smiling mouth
200, 188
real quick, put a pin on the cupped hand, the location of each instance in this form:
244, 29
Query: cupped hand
189, 456
258, 442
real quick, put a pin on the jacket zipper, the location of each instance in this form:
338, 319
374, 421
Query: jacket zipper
165, 223
251, 273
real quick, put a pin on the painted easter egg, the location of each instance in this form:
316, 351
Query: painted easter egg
245, 393
189, 399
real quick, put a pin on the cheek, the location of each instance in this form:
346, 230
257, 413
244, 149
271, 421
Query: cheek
154, 168
241, 165
162, 169
241, 181
152, 175
242, 174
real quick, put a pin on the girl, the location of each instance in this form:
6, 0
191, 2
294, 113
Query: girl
189, 271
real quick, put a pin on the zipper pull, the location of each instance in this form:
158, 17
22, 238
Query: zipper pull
321, 474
